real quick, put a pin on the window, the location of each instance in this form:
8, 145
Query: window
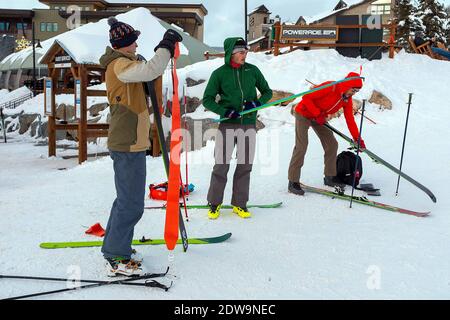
49, 27
21, 26
381, 9
4, 26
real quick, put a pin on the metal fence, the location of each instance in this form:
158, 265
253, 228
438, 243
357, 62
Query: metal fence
12, 104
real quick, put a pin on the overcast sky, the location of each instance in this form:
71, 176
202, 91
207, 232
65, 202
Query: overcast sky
226, 17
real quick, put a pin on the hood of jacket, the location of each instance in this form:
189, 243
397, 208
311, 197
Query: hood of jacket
355, 83
110, 55
228, 46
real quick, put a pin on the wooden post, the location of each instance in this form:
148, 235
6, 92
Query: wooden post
276, 42
51, 119
82, 124
156, 148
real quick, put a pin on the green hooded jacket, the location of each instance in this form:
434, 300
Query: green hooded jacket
235, 87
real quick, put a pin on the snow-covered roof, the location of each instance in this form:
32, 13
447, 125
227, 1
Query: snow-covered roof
256, 40
326, 14
261, 8
87, 43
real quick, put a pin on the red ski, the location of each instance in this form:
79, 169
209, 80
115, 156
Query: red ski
173, 193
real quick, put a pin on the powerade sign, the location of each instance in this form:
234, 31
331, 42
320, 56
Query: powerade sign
309, 33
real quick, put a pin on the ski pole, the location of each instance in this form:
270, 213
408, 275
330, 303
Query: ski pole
66, 279
357, 152
380, 160
404, 140
3, 124
186, 129
92, 285
183, 192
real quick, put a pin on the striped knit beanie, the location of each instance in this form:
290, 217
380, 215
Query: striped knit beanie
121, 34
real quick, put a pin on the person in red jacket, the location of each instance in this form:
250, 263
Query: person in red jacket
313, 111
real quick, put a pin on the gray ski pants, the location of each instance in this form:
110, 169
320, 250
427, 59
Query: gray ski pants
228, 136
128, 207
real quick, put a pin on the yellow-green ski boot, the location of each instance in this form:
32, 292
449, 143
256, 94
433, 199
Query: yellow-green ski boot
214, 211
242, 212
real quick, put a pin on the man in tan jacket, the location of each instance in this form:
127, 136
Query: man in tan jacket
128, 137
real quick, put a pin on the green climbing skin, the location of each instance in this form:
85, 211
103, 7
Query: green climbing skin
86, 244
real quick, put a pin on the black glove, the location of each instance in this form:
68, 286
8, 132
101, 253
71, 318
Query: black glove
168, 42
251, 105
231, 114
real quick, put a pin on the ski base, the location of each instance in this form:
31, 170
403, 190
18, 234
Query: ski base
364, 200
86, 244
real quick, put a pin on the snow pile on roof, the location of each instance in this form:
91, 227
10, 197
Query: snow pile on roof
87, 43
256, 40
323, 15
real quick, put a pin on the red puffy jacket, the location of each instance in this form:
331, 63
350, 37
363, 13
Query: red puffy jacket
327, 101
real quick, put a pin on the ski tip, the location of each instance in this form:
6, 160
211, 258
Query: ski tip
424, 214
218, 239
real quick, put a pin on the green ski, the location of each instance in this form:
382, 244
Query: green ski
143, 242
201, 206
363, 200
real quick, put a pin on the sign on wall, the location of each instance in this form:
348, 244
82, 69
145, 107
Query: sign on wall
309, 33
63, 62
48, 86
78, 98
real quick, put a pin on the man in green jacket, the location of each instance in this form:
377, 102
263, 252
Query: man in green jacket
236, 83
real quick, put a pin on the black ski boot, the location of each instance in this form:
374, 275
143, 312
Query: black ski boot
332, 181
295, 188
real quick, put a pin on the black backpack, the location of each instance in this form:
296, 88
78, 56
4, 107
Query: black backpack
345, 165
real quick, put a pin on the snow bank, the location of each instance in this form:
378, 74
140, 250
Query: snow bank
15, 94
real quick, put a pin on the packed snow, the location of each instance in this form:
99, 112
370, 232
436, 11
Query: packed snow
21, 92
313, 247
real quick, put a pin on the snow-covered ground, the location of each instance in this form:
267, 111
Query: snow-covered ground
312, 247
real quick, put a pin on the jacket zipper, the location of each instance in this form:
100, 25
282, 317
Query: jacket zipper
334, 105
242, 95
128, 94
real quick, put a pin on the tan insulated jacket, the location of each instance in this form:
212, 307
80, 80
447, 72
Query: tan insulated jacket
129, 126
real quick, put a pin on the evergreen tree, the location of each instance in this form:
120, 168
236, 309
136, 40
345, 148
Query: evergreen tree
434, 17
447, 27
404, 10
